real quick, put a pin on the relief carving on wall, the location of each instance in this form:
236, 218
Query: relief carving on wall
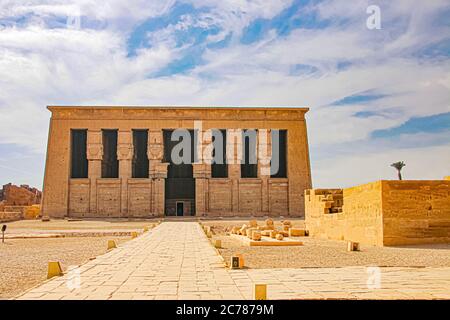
155, 152
155, 137
124, 152
94, 152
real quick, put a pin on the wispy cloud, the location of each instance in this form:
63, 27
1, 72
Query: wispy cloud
375, 95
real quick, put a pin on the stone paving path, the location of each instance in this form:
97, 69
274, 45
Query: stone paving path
175, 260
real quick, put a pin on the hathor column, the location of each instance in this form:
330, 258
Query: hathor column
264, 156
94, 156
234, 156
124, 155
157, 170
202, 172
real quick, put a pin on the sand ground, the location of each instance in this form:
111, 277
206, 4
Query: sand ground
23, 262
321, 253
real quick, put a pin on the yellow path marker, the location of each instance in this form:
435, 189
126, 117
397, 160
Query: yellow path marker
134, 235
237, 261
352, 246
111, 244
260, 292
54, 269
241, 260
218, 244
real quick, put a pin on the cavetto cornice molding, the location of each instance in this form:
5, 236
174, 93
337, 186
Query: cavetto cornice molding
177, 112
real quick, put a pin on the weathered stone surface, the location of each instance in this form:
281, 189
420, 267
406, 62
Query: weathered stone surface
296, 232
24, 195
256, 235
382, 212
253, 223
232, 196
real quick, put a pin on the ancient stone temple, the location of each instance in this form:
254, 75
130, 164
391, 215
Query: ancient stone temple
124, 162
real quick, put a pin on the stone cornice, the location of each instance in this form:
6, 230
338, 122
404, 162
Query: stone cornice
182, 113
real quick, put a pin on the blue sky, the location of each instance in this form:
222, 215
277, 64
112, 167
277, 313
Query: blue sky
375, 96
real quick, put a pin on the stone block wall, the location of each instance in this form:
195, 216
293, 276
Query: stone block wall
125, 196
7, 216
416, 212
319, 203
382, 213
24, 195
362, 214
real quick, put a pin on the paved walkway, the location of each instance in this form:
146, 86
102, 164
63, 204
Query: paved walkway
176, 261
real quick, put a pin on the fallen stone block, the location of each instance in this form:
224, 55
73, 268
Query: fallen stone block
266, 233
256, 235
249, 232
296, 232
235, 230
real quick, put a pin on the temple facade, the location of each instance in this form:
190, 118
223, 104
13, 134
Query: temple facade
143, 162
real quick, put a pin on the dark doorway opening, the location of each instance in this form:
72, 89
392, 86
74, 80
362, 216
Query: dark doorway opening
180, 182
180, 209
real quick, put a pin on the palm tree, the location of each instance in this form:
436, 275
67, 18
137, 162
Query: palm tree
399, 166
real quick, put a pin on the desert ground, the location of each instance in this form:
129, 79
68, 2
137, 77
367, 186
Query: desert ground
323, 253
30, 245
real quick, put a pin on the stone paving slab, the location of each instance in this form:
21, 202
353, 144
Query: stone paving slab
175, 260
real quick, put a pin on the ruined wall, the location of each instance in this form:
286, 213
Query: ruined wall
7, 216
382, 213
416, 212
23, 195
323, 213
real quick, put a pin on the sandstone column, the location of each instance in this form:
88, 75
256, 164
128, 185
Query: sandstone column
157, 171
234, 156
94, 156
202, 173
264, 156
125, 156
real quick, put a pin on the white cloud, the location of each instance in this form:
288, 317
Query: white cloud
41, 66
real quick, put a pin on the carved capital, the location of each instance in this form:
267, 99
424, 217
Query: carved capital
155, 152
94, 151
155, 137
124, 152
